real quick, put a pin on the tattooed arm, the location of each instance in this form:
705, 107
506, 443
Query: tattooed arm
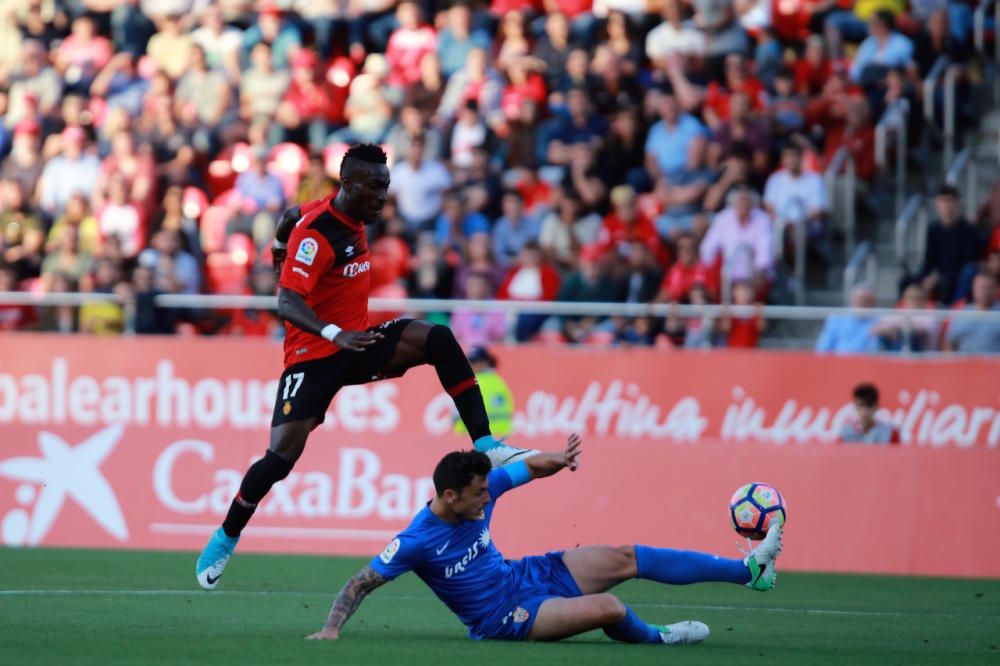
347, 601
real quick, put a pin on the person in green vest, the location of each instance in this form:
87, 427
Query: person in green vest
496, 394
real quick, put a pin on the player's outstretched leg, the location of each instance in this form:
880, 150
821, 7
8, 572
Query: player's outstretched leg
287, 442
436, 345
559, 618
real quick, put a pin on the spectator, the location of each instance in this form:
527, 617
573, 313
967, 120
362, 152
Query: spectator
909, 332
553, 47
175, 215
952, 243
735, 175
74, 170
786, 107
61, 318
150, 318
419, 185
990, 265
743, 331
24, 163
103, 317
512, 40
514, 230
427, 93
740, 238
408, 45
220, 43
311, 107
846, 25
478, 329
685, 273
478, 258
588, 284
457, 39
21, 233
262, 87
118, 217
431, 277
577, 133
674, 35
273, 28
624, 151
66, 259
744, 130
641, 278
413, 122
625, 224
797, 196
12, 317
866, 428
261, 189
137, 170
34, 85
723, 33
477, 81
121, 85
850, 333
682, 199
82, 55
170, 48
205, 89
315, 183
564, 231
969, 336
530, 279
468, 133
367, 111
455, 224
882, 50
855, 132
175, 270
78, 215
813, 69
668, 145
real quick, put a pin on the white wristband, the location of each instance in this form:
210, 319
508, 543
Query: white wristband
278, 245
330, 331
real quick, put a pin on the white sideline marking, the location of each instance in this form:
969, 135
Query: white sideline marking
278, 532
406, 597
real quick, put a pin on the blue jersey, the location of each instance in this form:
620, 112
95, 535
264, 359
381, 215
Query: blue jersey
457, 561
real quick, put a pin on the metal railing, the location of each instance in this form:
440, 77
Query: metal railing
417, 306
945, 75
893, 122
979, 39
864, 263
965, 164
843, 160
911, 223
793, 217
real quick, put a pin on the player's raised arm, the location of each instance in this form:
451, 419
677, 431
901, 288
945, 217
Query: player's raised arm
547, 464
294, 309
350, 597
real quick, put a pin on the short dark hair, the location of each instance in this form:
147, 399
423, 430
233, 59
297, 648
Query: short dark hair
886, 17
947, 190
369, 153
866, 394
457, 470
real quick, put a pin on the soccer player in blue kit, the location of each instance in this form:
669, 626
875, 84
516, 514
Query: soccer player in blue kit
542, 598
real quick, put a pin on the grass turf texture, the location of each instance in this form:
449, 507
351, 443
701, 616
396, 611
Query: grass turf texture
107, 607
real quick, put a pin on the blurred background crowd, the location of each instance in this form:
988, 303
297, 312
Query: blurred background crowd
609, 151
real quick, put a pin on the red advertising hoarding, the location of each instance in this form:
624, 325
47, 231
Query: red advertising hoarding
142, 443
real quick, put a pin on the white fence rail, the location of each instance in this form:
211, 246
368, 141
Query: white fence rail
417, 306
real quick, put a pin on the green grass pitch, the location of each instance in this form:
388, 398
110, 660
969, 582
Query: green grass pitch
117, 607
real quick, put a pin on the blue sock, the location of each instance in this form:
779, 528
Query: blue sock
682, 567
484, 443
633, 630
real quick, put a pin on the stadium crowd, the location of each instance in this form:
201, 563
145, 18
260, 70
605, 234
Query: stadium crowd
611, 151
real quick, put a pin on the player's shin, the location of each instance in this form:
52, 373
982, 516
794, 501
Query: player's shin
256, 484
682, 567
457, 378
633, 630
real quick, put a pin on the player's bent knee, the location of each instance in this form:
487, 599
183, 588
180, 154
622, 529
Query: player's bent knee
609, 608
625, 561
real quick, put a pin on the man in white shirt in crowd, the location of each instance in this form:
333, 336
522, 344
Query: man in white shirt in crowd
797, 196
419, 186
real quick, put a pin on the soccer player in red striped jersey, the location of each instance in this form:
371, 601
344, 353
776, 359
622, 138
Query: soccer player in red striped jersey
323, 298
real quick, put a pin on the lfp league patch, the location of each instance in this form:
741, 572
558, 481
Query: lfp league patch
307, 251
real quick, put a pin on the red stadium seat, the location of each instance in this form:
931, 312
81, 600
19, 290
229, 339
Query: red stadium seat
213, 228
229, 199
241, 248
289, 158
224, 275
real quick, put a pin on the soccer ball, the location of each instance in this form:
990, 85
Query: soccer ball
754, 507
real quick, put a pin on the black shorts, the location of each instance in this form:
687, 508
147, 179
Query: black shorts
306, 389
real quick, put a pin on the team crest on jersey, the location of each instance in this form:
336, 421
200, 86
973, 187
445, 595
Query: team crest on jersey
521, 615
287, 409
349, 250
307, 252
390, 551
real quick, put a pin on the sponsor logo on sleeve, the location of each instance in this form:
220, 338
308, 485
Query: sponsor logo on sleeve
306, 254
296, 269
390, 551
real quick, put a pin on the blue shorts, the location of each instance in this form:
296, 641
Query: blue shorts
538, 578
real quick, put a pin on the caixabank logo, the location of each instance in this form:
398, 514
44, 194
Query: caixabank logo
61, 473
